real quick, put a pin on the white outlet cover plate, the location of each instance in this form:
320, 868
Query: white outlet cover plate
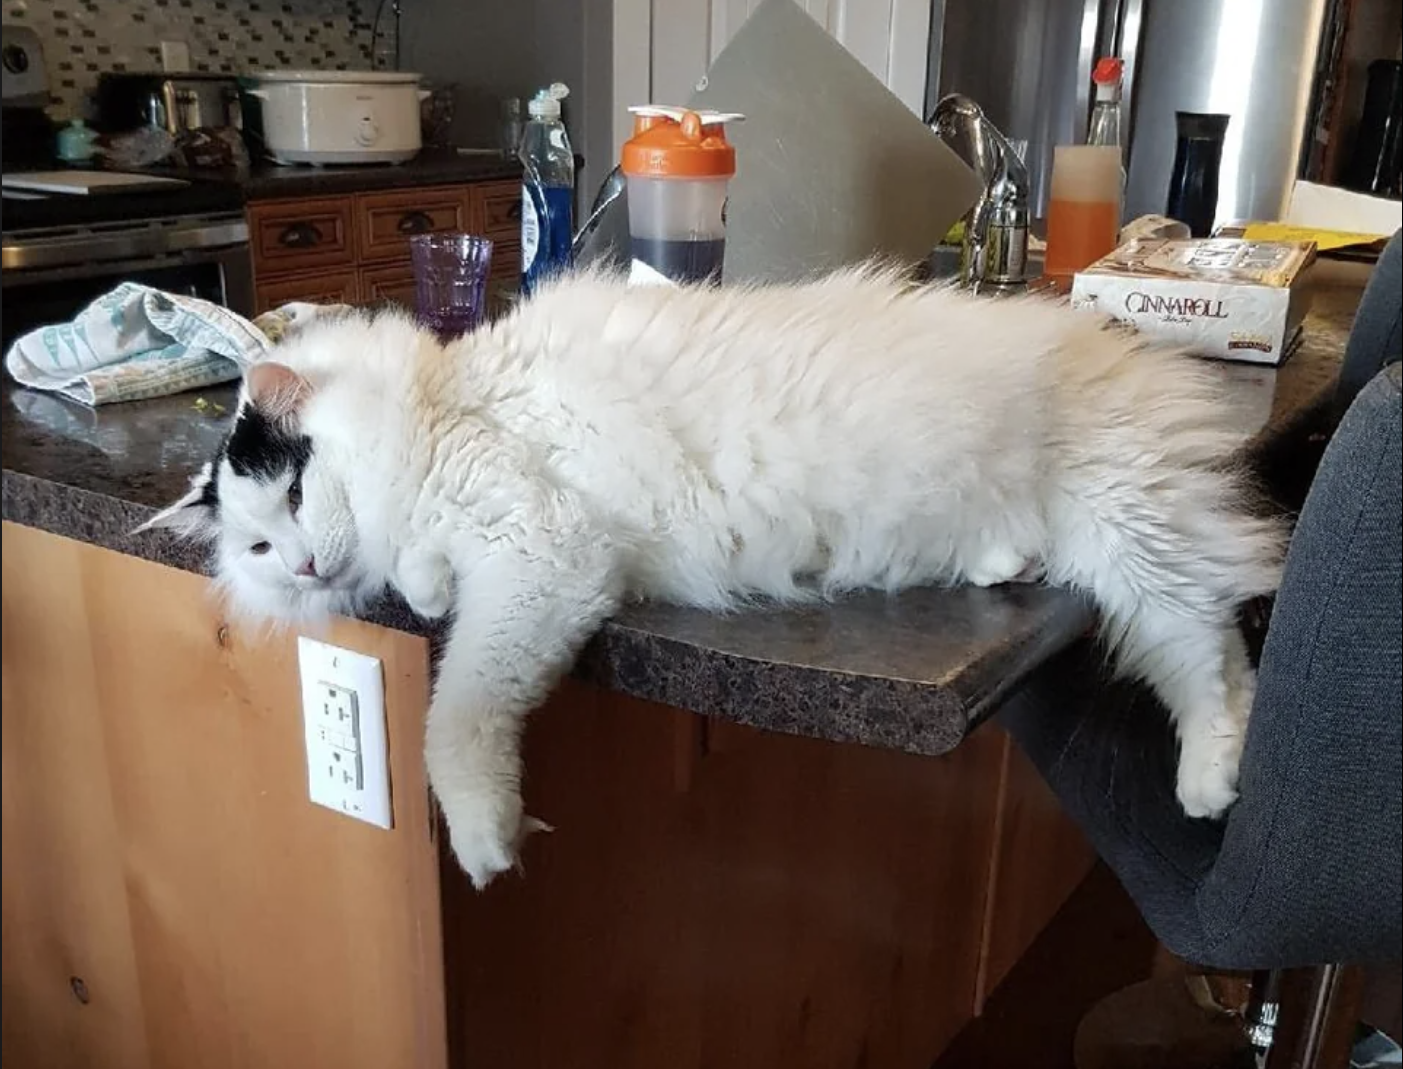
322, 665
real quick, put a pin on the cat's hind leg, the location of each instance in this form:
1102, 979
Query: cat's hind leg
1204, 677
1168, 559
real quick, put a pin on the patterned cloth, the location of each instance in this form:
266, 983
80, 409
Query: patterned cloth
138, 342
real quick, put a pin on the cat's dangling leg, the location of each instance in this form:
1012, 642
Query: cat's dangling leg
1202, 673
1168, 559
521, 617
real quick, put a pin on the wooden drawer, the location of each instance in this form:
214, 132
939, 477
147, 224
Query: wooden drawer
323, 287
506, 262
386, 221
393, 282
501, 210
296, 235
504, 282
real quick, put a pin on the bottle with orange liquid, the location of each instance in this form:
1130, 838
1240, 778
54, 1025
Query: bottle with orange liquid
1088, 183
1083, 216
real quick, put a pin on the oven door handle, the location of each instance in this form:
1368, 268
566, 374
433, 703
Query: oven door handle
89, 248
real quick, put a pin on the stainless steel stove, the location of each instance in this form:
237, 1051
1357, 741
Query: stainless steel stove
62, 250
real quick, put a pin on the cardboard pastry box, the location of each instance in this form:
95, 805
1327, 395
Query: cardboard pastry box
1222, 297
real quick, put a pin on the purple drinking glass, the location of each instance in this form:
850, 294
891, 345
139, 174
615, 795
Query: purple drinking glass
450, 281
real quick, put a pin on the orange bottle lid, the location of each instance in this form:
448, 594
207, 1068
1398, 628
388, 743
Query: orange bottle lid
679, 143
1108, 70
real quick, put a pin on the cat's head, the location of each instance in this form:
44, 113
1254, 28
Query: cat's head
278, 512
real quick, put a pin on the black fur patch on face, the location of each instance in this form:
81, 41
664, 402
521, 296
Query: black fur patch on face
209, 493
259, 448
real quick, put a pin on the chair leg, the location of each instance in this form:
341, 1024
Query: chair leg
1292, 1019
1322, 1008
1263, 1012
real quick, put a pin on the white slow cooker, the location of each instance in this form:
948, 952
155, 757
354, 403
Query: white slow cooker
336, 117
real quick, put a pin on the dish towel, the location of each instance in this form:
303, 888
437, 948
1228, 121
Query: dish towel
138, 342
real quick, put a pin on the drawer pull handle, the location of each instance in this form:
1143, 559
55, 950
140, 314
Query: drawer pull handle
299, 236
415, 223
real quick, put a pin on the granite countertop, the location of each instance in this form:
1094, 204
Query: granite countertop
430, 168
228, 190
914, 672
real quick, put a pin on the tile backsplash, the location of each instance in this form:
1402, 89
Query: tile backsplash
83, 38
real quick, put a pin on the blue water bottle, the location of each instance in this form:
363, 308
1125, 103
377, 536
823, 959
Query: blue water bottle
547, 189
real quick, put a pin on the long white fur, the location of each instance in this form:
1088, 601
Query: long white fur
710, 446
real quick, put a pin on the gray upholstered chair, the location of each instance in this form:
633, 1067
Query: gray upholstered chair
1305, 870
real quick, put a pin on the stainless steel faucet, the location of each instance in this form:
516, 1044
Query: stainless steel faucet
995, 254
610, 190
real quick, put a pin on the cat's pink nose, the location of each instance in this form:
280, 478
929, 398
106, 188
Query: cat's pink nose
308, 568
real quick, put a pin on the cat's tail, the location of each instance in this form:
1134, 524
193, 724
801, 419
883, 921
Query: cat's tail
1150, 515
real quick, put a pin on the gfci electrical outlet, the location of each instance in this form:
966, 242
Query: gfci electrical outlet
343, 709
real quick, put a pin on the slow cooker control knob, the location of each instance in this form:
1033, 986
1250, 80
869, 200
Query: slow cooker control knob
367, 133
16, 59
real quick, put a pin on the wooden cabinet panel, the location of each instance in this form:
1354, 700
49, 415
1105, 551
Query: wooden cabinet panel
501, 210
386, 221
171, 896
355, 248
394, 282
297, 235
1040, 858
771, 900
506, 262
504, 282
324, 287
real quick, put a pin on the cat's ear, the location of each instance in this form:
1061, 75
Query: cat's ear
193, 516
277, 391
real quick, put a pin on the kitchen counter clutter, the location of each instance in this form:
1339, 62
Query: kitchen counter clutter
915, 672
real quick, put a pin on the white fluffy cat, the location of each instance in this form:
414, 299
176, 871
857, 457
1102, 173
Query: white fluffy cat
710, 446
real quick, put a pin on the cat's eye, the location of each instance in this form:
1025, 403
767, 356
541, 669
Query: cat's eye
260, 548
294, 494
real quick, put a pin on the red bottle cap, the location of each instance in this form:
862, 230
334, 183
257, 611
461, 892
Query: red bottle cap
1108, 70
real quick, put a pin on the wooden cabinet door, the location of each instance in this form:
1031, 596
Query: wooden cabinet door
386, 221
296, 235
501, 210
325, 287
393, 282
172, 897
499, 204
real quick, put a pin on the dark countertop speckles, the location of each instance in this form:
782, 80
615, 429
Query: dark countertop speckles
267, 181
913, 672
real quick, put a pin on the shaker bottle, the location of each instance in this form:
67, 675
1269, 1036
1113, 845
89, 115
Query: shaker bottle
678, 166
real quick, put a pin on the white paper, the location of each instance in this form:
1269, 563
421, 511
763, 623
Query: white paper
1328, 208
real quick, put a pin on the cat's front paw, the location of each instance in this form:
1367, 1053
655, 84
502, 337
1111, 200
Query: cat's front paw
998, 564
426, 581
433, 607
486, 833
1208, 768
